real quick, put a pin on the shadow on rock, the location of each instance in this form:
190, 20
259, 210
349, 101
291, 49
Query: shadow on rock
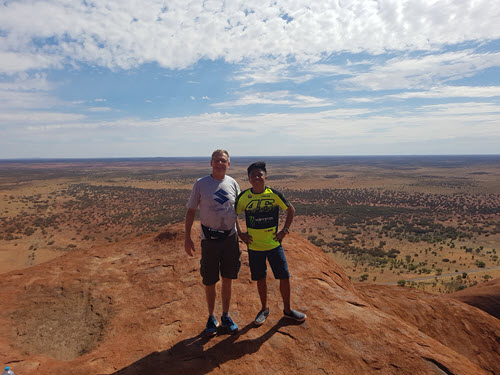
190, 357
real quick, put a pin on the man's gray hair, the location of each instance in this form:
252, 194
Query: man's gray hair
219, 152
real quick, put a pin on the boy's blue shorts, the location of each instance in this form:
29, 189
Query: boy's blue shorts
277, 261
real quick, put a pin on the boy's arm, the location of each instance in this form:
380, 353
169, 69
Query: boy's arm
290, 213
245, 237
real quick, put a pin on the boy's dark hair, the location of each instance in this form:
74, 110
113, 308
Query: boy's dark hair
257, 165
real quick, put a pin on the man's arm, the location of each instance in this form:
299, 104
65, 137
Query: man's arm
290, 213
188, 224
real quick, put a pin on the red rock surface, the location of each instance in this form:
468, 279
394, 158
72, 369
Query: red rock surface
452, 323
138, 307
485, 296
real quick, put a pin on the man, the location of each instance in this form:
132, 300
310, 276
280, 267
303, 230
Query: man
261, 205
215, 195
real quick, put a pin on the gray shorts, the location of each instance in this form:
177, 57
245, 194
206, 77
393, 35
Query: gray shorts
220, 256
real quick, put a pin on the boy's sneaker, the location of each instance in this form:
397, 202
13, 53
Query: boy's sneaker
228, 323
261, 316
295, 315
212, 325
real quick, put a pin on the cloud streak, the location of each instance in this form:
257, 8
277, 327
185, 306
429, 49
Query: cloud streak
422, 72
285, 98
332, 128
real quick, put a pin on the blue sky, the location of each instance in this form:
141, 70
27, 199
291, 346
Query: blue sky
181, 78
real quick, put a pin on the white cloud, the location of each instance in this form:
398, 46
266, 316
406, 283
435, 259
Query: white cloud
179, 33
12, 62
26, 82
99, 109
269, 70
468, 109
21, 119
422, 72
451, 92
276, 98
10, 100
448, 93
330, 70
27, 92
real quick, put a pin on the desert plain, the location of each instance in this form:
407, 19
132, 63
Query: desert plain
426, 222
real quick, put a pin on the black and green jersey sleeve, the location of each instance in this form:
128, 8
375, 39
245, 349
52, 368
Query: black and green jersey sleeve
262, 216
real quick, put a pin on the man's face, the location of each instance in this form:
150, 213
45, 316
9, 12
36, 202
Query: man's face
257, 178
219, 163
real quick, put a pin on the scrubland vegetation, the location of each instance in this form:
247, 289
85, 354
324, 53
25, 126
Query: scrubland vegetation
397, 233
96, 211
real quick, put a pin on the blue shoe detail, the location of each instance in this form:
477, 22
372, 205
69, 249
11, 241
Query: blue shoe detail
212, 325
228, 323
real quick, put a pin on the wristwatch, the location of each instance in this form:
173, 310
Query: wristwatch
286, 230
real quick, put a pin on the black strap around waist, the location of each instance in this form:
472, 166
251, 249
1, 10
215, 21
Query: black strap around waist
215, 234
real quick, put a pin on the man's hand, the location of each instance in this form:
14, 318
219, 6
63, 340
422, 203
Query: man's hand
245, 237
189, 246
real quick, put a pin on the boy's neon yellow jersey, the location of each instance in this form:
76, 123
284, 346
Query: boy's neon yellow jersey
262, 216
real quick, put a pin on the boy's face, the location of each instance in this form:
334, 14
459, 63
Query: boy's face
257, 178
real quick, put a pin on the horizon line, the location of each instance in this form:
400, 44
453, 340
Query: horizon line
238, 157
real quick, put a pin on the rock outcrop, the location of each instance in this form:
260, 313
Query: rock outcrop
485, 296
138, 307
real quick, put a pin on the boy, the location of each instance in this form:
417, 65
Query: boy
261, 205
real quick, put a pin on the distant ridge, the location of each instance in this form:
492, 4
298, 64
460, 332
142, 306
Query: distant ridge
356, 159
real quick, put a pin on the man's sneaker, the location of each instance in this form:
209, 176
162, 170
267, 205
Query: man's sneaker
261, 316
295, 315
212, 325
228, 323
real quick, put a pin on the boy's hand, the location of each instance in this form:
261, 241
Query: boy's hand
279, 236
245, 237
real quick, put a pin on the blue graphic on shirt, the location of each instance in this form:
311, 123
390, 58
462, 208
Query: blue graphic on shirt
221, 196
